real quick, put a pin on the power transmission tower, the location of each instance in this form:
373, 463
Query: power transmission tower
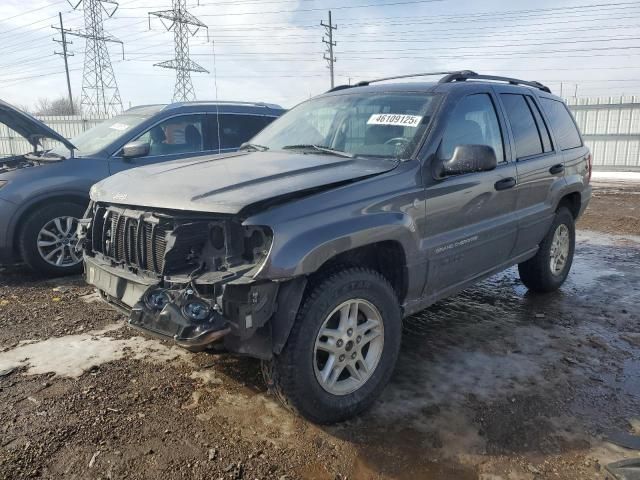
328, 55
100, 94
64, 54
184, 25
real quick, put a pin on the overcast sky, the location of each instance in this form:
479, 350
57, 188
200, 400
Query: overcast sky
271, 50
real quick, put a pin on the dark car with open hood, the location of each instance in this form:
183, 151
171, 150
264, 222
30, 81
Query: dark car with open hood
43, 193
355, 209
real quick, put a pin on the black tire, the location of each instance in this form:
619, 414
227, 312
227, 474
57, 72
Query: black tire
290, 375
536, 273
28, 237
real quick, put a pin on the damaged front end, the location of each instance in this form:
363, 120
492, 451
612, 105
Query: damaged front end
184, 276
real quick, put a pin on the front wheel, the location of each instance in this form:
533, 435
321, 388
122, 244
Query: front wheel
342, 349
548, 269
48, 239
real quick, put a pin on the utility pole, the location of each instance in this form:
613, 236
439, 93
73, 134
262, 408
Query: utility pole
100, 94
184, 25
64, 42
576, 91
330, 44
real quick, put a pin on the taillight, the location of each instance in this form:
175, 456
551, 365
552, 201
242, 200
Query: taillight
589, 167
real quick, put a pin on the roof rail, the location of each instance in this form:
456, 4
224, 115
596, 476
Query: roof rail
468, 75
339, 87
222, 102
459, 72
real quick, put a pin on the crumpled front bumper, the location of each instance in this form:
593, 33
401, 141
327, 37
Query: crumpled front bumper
130, 293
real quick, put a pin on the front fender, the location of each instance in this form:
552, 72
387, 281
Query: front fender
303, 249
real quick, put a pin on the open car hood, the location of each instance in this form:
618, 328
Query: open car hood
29, 127
229, 183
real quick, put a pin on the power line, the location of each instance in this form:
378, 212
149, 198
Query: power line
33, 10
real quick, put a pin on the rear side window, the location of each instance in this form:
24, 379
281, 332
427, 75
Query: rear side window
523, 125
562, 124
237, 129
543, 130
473, 122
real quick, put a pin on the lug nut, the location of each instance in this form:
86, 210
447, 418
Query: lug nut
350, 332
359, 339
341, 358
353, 355
339, 343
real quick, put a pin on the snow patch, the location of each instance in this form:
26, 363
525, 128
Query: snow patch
72, 355
620, 176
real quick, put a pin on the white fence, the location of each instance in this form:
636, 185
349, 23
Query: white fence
610, 127
69, 126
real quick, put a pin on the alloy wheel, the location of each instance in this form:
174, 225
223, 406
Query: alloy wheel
348, 347
57, 242
559, 253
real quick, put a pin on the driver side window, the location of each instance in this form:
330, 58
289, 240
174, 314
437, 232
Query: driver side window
473, 122
182, 134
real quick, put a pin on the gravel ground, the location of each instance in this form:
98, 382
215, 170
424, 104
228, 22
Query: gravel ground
493, 384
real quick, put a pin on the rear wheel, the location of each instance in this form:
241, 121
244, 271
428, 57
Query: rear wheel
342, 349
548, 269
48, 239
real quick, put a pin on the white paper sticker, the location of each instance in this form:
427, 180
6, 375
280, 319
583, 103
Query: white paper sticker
119, 126
394, 119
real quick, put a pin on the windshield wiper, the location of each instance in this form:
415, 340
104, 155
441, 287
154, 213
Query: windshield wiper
319, 148
253, 146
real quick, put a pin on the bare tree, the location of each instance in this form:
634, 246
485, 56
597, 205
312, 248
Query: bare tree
57, 106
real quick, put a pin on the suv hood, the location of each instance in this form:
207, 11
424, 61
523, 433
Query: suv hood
229, 183
29, 127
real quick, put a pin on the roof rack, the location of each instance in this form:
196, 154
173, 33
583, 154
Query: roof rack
364, 83
427, 74
469, 75
456, 76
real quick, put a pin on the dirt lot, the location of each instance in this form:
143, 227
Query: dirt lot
494, 384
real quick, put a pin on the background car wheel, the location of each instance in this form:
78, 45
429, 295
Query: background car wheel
48, 238
548, 269
342, 349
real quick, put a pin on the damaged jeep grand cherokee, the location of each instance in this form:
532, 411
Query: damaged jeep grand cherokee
357, 208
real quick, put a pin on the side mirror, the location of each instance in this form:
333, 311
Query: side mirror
135, 149
468, 159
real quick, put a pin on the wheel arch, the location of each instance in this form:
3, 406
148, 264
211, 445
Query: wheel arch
572, 201
385, 257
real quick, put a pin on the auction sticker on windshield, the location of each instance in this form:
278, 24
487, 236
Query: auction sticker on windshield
394, 119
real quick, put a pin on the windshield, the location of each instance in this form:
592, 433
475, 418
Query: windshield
360, 124
98, 137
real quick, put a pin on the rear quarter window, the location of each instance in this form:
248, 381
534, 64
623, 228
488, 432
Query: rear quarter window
562, 124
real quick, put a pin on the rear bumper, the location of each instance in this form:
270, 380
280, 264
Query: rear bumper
134, 295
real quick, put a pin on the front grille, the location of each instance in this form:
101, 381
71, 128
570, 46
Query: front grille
134, 240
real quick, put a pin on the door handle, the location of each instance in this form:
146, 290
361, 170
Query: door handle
505, 183
559, 168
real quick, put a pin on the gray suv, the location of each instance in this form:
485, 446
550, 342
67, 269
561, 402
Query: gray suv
353, 210
43, 193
